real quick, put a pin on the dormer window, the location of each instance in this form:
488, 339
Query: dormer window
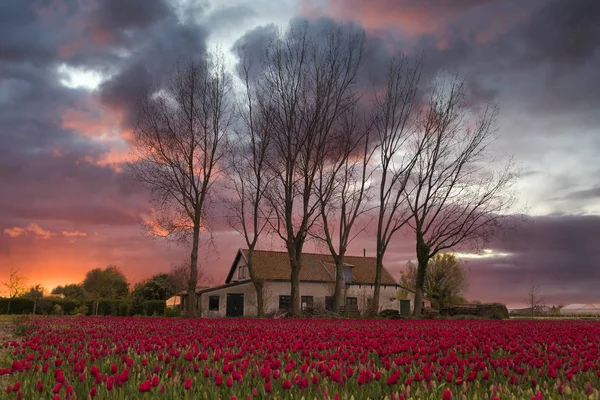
242, 272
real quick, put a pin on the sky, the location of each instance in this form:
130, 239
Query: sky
71, 70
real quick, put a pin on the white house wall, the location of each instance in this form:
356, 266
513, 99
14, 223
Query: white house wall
273, 289
247, 289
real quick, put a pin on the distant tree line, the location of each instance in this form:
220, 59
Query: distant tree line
102, 292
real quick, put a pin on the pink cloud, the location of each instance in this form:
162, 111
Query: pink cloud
39, 232
74, 234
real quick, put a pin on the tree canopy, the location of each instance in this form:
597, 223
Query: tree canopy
158, 287
71, 291
445, 281
108, 283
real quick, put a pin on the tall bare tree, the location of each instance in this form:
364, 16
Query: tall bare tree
394, 109
456, 195
15, 286
342, 188
310, 74
178, 143
534, 297
248, 168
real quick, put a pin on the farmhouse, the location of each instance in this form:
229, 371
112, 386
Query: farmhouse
237, 297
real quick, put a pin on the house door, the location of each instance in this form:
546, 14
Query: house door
235, 304
404, 307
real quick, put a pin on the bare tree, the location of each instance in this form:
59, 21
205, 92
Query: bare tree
248, 169
178, 143
454, 195
394, 110
309, 75
534, 298
180, 276
342, 188
15, 286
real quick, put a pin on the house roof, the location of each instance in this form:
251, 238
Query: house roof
275, 265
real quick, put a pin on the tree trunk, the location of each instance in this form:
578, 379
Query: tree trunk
295, 292
34, 306
8, 309
422, 259
377, 291
260, 305
193, 281
338, 295
258, 285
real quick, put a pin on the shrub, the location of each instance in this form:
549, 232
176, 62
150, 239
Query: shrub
82, 309
173, 312
391, 314
155, 307
488, 311
58, 310
17, 306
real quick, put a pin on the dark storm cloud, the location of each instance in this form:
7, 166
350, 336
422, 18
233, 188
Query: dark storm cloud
153, 59
20, 33
564, 33
126, 14
559, 253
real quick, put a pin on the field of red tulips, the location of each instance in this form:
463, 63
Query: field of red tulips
119, 358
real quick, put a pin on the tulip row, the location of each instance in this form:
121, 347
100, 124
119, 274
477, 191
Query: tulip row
118, 358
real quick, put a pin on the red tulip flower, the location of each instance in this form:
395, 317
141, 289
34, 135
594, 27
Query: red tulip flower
145, 386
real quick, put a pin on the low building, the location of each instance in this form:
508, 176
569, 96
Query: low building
581, 309
539, 310
237, 297
174, 301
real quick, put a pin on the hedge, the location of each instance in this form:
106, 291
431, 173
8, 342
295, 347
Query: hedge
47, 306
489, 310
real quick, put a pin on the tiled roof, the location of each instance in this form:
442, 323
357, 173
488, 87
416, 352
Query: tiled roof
275, 265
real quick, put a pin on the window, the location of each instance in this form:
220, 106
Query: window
329, 303
285, 303
351, 301
347, 275
307, 303
213, 303
242, 272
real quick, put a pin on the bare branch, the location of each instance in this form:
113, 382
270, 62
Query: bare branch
178, 147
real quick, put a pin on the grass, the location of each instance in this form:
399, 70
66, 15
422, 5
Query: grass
4, 319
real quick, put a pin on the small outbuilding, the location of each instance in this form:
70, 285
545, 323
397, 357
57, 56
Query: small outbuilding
174, 301
581, 309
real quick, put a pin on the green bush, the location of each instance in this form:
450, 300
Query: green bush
487, 311
82, 309
58, 306
18, 306
172, 312
155, 307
